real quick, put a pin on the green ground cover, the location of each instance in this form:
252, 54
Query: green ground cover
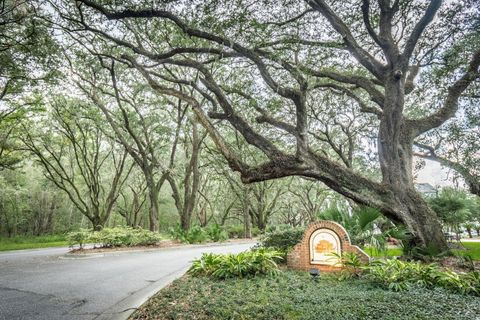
22, 242
391, 252
294, 295
473, 250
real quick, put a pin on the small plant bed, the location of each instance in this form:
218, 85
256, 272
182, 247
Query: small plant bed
197, 234
295, 295
100, 249
159, 245
122, 239
114, 237
244, 264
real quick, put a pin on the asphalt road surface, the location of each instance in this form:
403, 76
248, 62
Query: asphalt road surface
47, 284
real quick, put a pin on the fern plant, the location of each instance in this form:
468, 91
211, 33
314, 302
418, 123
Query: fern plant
244, 264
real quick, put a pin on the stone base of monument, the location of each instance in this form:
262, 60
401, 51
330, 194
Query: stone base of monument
322, 243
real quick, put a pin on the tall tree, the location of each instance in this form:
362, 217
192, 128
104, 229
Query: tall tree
27, 50
76, 158
138, 128
260, 66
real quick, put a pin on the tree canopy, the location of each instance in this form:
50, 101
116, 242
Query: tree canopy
341, 93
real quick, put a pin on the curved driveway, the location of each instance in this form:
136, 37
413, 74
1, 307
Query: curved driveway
47, 284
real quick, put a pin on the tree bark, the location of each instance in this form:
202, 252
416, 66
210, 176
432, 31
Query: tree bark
395, 148
247, 224
97, 222
153, 210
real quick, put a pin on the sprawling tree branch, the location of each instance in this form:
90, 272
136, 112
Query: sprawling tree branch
418, 30
362, 56
473, 181
450, 106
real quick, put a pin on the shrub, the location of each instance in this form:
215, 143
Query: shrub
216, 233
249, 263
352, 265
195, 234
114, 237
399, 275
79, 237
237, 231
282, 239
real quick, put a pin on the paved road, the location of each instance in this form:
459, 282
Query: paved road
46, 284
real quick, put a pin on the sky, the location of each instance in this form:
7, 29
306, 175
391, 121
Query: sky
437, 176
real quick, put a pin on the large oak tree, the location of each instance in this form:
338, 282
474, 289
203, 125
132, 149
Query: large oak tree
263, 66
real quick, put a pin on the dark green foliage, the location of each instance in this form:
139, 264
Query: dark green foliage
244, 264
400, 275
363, 225
426, 254
282, 239
114, 237
238, 231
213, 232
352, 265
455, 207
195, 234
216, 233
293, 295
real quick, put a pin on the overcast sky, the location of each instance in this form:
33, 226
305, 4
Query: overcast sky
434, 174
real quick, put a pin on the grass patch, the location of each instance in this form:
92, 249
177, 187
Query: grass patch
294, 295
29, 242
391, 252
473, 250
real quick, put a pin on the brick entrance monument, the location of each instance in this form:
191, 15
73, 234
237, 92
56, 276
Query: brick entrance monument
320, 240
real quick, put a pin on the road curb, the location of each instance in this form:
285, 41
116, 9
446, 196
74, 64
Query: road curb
131, 303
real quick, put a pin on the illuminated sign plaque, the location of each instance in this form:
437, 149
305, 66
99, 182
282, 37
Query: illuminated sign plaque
324, 243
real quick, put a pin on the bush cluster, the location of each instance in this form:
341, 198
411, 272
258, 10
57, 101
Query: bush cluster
114, 237
197, 234
244, 264
238, 231
400, 275
282, 239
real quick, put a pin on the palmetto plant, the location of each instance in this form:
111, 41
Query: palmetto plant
366, 226
351, 263
400, 275
249, 263
454, 207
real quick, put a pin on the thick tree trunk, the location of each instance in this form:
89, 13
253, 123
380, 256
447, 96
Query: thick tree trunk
154, 210
395, 154
421, 220
97, 222
261, 222
185, 222
191, 181
247, 224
